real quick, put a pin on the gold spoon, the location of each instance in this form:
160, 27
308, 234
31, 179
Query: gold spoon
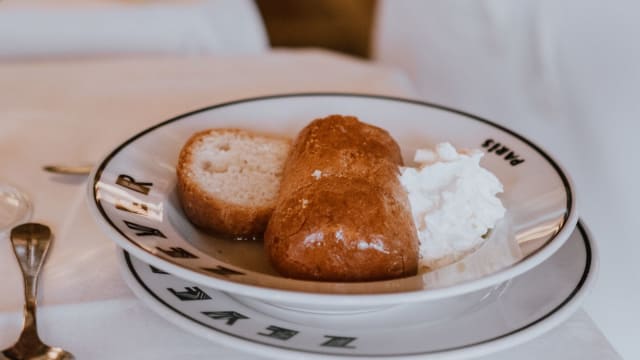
68, 170
30, 244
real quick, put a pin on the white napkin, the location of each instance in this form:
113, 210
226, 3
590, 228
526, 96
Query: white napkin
46, 30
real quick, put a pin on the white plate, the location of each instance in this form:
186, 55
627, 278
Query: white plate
132, 196
512, 313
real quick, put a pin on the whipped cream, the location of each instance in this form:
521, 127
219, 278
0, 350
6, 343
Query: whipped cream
453, 202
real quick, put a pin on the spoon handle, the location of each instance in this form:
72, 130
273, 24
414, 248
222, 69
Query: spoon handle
68, 170
30, 244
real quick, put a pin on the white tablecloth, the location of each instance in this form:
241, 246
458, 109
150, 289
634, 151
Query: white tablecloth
74, 112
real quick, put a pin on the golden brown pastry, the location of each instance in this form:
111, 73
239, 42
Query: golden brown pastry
341, 213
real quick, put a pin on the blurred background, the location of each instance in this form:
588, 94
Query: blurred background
563, 73
344, 26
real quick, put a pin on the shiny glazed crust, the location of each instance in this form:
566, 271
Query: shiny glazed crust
342, 214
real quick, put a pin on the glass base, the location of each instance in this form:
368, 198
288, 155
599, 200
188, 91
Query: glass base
15, 207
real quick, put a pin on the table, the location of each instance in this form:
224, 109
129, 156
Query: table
73, 112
